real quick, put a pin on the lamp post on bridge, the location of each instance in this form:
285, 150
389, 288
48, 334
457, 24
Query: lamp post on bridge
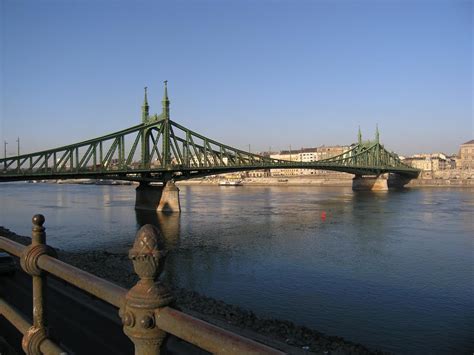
5, 154
18, 161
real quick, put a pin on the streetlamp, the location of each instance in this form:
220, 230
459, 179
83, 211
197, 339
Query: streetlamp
18, 162
5, 154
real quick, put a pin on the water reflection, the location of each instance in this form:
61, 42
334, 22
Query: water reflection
364, 206
167, 223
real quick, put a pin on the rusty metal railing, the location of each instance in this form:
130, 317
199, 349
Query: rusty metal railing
144, 309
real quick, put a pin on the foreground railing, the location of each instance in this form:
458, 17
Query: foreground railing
144, 309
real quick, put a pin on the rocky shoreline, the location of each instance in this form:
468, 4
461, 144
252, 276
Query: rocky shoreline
281, 334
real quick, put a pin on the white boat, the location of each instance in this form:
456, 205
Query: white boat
230, 183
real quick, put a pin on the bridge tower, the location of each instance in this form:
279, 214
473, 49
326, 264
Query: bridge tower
380, 182
164, 198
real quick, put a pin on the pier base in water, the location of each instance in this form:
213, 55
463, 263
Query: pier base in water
382, 182
370, 183
158, 198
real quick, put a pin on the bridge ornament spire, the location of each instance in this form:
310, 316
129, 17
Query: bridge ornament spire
377, 134
359, 136
166, 144
166, 103
145, 108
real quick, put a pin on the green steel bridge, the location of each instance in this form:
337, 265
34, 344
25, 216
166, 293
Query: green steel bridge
159, 149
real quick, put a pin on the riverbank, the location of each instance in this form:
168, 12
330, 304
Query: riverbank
340, 182
333, 180
441, 183
281, 334
438, 179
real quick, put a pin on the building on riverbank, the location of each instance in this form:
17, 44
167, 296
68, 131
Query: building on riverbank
466, 155
306, 155
431, 162
434, 166
443, 169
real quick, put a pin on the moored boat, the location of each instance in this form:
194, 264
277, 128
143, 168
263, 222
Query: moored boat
230, 183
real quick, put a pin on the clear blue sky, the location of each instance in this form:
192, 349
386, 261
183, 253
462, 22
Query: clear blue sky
265, 73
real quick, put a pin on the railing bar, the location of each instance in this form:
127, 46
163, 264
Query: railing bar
21, 323
94, 285
14, 316
103, 289
207, 336
49, 347
11, 247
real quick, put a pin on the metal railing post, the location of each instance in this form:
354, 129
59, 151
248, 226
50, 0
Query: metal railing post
29, 262
145, 299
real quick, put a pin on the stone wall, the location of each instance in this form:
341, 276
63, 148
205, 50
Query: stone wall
451, 177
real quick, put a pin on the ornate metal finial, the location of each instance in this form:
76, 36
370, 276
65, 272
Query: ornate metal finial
146, 257
38, 220
149, 294
377, 134
38, 235
38, 247
359, 136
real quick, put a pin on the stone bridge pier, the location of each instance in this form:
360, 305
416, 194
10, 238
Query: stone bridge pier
161, 198
382, 182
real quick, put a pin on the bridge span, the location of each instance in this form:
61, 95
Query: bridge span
161, 150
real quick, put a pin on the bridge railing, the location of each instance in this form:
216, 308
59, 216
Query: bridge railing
144, 309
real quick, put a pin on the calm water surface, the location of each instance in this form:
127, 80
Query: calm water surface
393, 271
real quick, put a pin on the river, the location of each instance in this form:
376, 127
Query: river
391, 270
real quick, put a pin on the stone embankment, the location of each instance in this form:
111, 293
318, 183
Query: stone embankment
330, 180
441, 183
281, 334
442, 178
446, 178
